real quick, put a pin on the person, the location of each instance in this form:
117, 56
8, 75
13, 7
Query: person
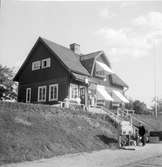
142, 132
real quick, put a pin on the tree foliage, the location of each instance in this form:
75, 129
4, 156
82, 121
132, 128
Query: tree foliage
140, 107
158, 103
129, 105
7, 86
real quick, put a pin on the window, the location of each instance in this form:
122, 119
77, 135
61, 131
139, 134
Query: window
46, 63
28, 95
53, 92
42, 94
36, 65
74, 91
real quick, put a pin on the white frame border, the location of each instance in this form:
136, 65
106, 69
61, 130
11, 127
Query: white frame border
39, 87
28, 89
53, 85
47, 59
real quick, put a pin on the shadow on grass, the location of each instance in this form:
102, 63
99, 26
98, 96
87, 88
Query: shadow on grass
107, 140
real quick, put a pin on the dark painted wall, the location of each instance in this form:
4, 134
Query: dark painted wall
32, 79
62, 91
55, 71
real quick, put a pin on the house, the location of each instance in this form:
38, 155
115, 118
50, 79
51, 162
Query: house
52, 73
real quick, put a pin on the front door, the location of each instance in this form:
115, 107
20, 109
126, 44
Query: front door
82, 94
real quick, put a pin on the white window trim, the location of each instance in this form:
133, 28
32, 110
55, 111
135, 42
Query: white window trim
37, 67
50, 86
28, 89
48, 60
41, 87
71, 85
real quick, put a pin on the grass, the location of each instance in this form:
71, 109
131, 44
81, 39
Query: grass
156, 123
30, 132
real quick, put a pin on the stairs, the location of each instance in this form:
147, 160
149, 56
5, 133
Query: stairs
110, 114
119, 117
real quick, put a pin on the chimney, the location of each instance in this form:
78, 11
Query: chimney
75, 48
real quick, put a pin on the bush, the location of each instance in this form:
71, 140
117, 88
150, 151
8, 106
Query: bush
140, 107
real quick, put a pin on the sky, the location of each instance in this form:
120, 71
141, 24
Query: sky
129, 32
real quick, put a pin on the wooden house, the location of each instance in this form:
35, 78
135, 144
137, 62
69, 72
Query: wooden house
52, 73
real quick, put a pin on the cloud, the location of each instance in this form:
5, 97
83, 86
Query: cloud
150, 24
123, 43
115, 37
105, 13
127, 4
151, 21
134, 41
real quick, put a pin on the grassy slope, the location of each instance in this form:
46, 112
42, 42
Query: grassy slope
156, 123
30, 135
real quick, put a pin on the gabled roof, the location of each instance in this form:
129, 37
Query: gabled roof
67, 56
115, 80
88, 60
79, 66
90, 55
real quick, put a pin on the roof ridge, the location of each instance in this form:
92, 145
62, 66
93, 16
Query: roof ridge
70, 59
91, 53
59, 45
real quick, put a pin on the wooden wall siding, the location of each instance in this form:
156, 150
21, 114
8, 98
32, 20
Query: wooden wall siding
108, 81
54, 80
114, 85
75, 81
62, 91
88, 64
117, 87
55, 71
101, 81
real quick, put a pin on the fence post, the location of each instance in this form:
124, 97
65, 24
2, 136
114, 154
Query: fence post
119, 135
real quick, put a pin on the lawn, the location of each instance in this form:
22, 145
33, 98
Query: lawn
30, 132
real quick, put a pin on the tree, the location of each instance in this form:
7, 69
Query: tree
129, 105
158, 102
140, 107
8, 88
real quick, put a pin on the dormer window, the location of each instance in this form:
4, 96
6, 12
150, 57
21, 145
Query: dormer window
46, 63
36, 65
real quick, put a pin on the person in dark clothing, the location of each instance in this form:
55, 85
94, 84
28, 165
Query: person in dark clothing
142, 133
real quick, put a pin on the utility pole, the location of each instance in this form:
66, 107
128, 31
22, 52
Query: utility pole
155, 76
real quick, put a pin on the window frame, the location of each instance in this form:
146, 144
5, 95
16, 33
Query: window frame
48, 63
37, 67
28, 89
39, 88
50, 87
74, 91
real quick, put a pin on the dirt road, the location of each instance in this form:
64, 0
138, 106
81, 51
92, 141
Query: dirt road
105, 158
149, 162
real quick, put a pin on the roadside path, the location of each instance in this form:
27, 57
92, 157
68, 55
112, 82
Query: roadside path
151, 153
150, 162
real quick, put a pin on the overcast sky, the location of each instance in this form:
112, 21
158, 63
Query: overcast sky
130, 33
